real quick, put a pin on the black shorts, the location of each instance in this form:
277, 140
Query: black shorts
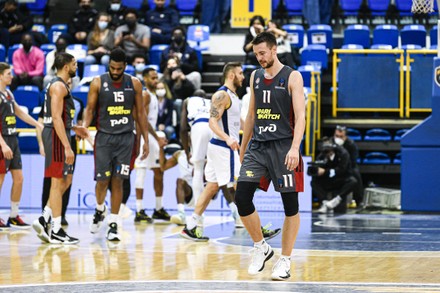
264, 162
55, 160
15, 163
113, 153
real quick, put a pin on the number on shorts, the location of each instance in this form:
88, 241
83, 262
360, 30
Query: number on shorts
288, 180
125, 169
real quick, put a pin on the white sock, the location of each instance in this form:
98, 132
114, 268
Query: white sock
181, 208
158, 203
287, 258
100, 207
56, 224
259, 243
263, 244
113, 218
139, 206
14, 209
192, 221
47, 213
233, 208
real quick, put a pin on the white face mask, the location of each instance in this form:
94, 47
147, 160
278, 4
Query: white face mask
115, 6
102, 25
339, 141
161, 92
140, 67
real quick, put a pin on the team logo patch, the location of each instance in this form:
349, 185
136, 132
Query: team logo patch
437, 76
128, 86
282, 82
108, 173
257, 81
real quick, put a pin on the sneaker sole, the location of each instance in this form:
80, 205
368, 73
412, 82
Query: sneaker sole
280, 278
4, 228
114, 239
40, 232
269, 256
27, 227
177, 221
186, 236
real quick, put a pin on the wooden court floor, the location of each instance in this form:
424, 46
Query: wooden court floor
345, 253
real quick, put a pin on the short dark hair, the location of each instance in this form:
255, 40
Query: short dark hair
180, 28
4, 66
256, 17
228, 67
61, 59
118, 55
147, 71
265, 37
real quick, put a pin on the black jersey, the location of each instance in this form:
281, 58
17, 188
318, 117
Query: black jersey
274, 117
115, 106
68, 106
7, 114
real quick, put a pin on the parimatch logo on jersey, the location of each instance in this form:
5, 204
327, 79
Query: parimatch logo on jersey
266, 114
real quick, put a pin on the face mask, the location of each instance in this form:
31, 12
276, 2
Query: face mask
178, 39
115, 6
161, 92
27, 46
61, 47
131, 23
85, 7
140, 67
339, 141
102, 25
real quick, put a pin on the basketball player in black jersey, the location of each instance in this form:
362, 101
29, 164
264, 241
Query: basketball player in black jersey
59, 111
116, 99
275, 122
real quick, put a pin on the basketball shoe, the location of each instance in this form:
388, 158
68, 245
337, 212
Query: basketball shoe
98, 219
281, 270
112, 232
61, 237
142, 217
161, 215
268, 233
260, 254
237, 220
194, 235
179, 219
17, 223
43, 229
3, 226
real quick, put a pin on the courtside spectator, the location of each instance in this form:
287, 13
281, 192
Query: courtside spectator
161, 20
82, 22
100, 41
116, 11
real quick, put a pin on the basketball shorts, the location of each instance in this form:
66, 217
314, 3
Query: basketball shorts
152, 161
55, 159
15, 163
264, 162
113, 153
201, 134
223, 164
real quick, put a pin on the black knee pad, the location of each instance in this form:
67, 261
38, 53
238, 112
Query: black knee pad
244, 196
290, 202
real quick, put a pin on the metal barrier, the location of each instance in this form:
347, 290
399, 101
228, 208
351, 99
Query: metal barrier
313, 118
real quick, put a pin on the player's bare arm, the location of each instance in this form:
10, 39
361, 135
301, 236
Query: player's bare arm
184, 128
221, 101
297, 92
92, 101
57, 92
166, 164
248, 127
6, 150
140, 116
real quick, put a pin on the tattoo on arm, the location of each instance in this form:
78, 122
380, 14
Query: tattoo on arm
216, 103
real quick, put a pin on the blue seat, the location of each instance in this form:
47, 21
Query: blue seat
386, 34
156, 53
404, 7
357, 34
377, 134
154, 66
350, 7
150, 3
28, 143
46, 48
55, 31
28, 96
381, 47
37, 8
198, 36
294, 7
81, 93
129, 69
295, 34
378, 7
315, 55
433, 35
414, 34
136, 4
2, 53
20, 123
186, 7
39, 28
411, 47
93, 70
320, 34
11, 51
352, 47
77, 50
397, 159
354, 134
400, 133
376, 158
306, 72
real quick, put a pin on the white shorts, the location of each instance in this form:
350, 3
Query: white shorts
223, 165
152, 161
201, 134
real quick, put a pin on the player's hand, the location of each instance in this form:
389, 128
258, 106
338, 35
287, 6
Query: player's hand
321, 171
145, 151
41, 148
81, 131
40, 126
233, 144
162, 141
70, 156
7, 152
292, 159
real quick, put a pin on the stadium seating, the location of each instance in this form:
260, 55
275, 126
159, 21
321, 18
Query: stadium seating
397, 159
376, 158
354, 134
404, 7
37, 7
377, 134
413, 34
46, 48
306, 72
77, 50
156, 53
136, 4
357, 34
197, 36
386, 34
28, 96
28, 142
39, 28
93, 70
352, 47
55, 31
315, 55
81, 93
350, 7
11, 51
186, 7
399, 134
320, 34
294, 7
378, 7
129, 69
433, 35
2, 53
295, 34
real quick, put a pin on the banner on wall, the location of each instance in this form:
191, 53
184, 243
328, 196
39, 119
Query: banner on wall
82, 194
243, 10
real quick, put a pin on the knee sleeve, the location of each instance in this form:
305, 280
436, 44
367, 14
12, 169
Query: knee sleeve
290, 202
244, 196
140, 178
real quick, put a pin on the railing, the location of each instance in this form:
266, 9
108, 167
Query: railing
313, 112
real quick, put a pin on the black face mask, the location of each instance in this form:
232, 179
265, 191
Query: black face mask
85, 7
178, 39
131, 23
61, 47
27, 46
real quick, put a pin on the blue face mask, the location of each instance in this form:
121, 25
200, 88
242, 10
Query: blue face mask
102, 25
140, 67
115, 6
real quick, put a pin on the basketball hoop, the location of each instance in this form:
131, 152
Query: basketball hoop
422, 6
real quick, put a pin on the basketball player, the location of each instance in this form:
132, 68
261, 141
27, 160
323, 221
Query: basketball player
151, 106
59, 111
10, 156
116, 98
222, 157
276, 122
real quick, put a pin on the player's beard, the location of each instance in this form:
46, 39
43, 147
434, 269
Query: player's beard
72, 73
237, 82
115, 77
269, 64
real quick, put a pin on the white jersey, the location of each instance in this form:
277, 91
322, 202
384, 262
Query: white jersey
230, 120
198, 110
153, 109
185, 169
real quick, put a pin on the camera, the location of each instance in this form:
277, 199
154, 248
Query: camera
312, 169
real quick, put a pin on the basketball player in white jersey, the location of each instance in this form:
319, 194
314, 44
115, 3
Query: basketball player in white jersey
152, 161
222, 157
